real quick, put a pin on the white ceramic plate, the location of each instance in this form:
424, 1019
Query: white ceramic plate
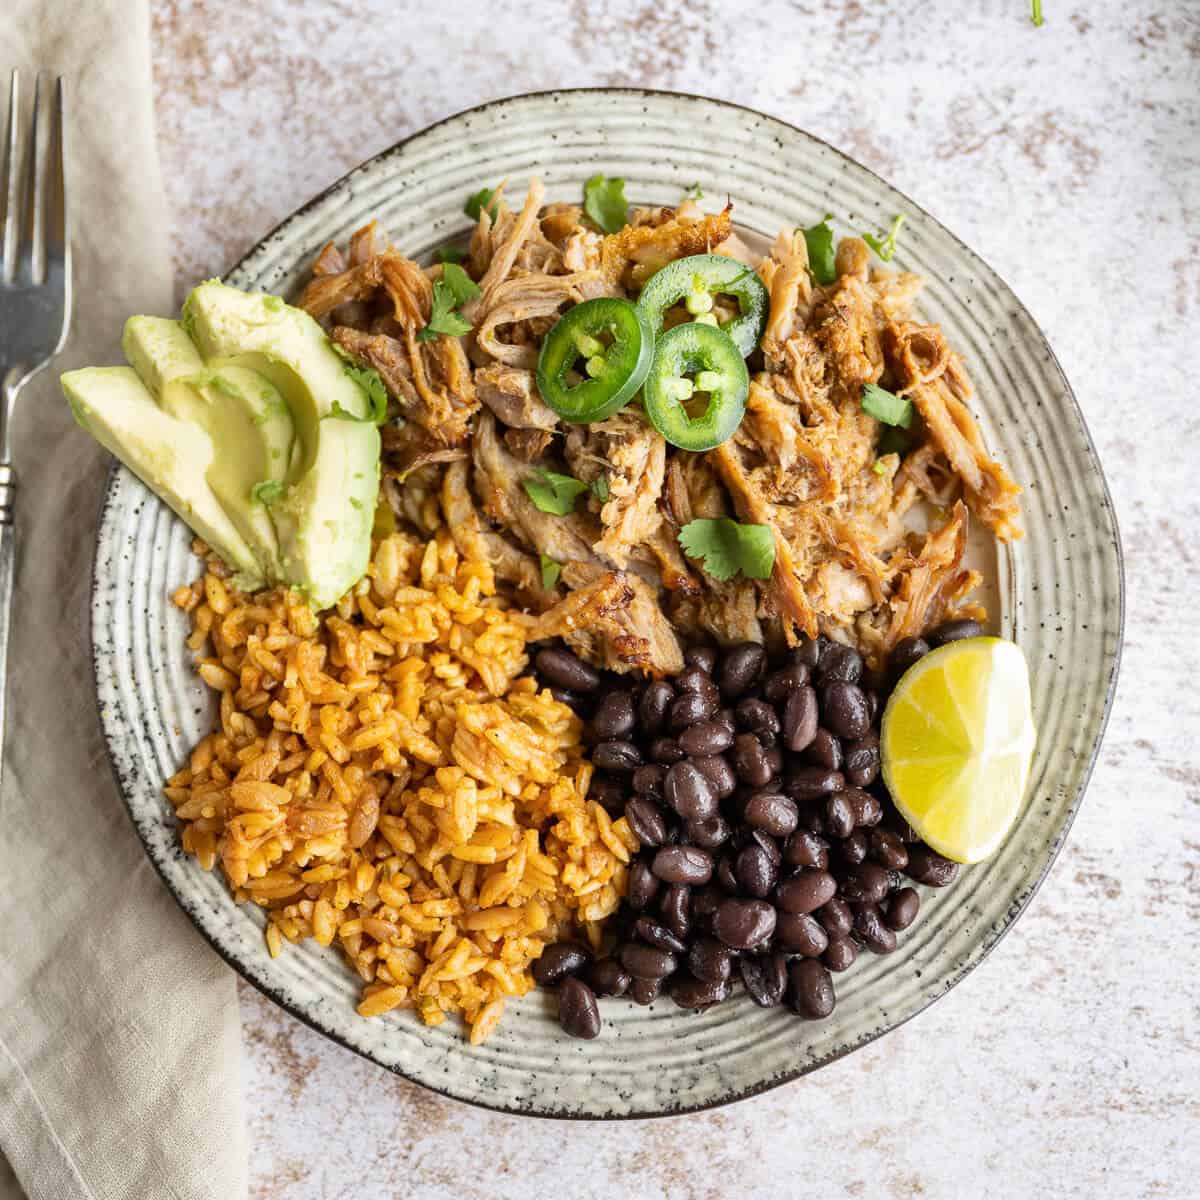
1060, 596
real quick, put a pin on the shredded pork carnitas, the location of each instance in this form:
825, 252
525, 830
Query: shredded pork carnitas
467, 427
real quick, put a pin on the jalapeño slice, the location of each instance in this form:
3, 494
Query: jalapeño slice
594, 360
695, 281
690, 361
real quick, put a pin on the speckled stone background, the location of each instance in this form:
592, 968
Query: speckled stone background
1068, 1065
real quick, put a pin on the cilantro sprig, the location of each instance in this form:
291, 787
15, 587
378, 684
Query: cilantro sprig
600, 488
551, 570
728, 547
448, 254
1035, 13
604, 201
484, 198
886, 406
822, 258
553, 493
885, 244
454, 289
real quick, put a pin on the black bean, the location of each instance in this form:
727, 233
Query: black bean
866, 809
647, 962
824, 751
665, 750
839, 816
873, 704
655, 702
658, 936
642, 887
689, 709
646, 821
688, 992
683, 864
868, 881
709, 959
706, 738
841, 662
888, 849
844, 709
615, 717
836, 918
750, 760
764, 977
708, 835
688, 791
676, 909
564, 670
608, 793
648, 780
578, 1013
559, 960
772, 813
726, 876
716, 769
808, 652
800, 933
608, 978
800, 718
852, 849
573, 700
768, 843
954, 631
927, 867
693, 679
757, 716
782, 683
810, 783
894, 822
756, 873
806, 891
902, 908
862, 759
871, 930
840, 953
744, 924
906, 652
705, 902
704, 657
616, 756
806, 849
644, 991
740, 668
812, 818
811, 992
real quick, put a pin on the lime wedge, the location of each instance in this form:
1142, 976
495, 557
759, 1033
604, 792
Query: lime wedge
957, 743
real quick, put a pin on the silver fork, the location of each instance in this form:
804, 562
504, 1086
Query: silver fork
35, 289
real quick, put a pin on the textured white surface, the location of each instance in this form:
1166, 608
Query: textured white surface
1069, 157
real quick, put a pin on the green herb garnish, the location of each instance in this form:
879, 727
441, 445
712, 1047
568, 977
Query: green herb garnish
880, 467
448, 254
886, 407
454, 288
267, 492
1035, 13
604, 201
695, 192
885, 245
822, 258
600, 488
373, 388
893, 441
478, 202
728, 547
554, 493
551, 570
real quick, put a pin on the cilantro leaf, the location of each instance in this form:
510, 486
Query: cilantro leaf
892, 441
600, 488
267, 492
448, 254
553, 493
822, 259
454, 288
695, 192
885, 245
478, 202
551, 570
885, 406
373, 387
1035, 13
604, 201
728, 547
462, 286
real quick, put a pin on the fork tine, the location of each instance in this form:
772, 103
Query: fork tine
10, 177
56, 179
31, 258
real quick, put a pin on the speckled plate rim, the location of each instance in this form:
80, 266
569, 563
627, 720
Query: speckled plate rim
988, 941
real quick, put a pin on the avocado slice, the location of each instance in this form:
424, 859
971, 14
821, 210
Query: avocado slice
170, 456
159, 350
251, 426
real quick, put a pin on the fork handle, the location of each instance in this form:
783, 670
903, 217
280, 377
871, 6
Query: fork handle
8, 552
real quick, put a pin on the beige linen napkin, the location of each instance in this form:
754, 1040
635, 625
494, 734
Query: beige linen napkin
119, 1034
